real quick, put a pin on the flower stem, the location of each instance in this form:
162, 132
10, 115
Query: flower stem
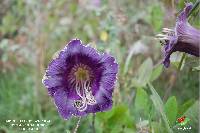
93, 123
77, 125
181, 62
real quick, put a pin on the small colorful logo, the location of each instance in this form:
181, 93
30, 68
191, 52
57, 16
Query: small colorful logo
182, 121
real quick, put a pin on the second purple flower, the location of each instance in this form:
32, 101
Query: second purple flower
183, 37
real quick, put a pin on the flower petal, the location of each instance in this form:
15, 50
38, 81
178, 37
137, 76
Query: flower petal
182, 17
65, 105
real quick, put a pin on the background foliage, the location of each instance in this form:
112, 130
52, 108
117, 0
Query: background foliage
147, 97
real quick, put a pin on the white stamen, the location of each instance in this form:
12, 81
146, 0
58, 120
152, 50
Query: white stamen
86, 96
163, 38
160, 35
167, 29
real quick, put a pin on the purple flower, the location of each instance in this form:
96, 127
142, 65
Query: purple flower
81, 80
183, 37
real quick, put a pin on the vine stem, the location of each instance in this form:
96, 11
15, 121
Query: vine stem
77, 125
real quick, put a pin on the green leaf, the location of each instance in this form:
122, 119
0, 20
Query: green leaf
185, 106
105, 116
117, 118
127, 62
142, 102
193, 114
144, 73
156, 72
171, 109
121, 116
158, 104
